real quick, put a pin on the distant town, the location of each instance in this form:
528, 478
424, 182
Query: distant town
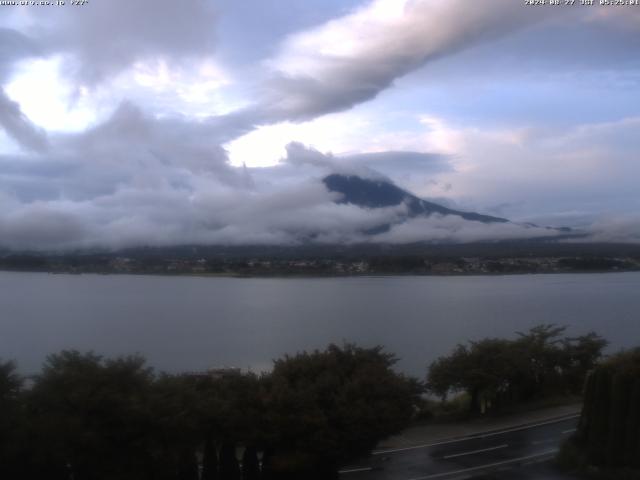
477, 259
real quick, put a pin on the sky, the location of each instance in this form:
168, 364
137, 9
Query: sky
158, 122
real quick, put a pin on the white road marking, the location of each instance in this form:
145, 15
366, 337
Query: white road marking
416, 447
571, 430
489, 465
518, 429
355, 470
447, 457
472, 436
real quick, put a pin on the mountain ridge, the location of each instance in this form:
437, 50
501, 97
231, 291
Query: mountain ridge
369, 193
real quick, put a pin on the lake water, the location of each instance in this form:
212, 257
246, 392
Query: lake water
193, 323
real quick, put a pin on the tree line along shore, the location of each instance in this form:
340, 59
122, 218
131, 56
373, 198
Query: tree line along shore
86, 417
386, 264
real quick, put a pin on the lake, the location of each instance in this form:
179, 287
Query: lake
193, 323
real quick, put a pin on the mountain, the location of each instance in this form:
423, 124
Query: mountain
369, 193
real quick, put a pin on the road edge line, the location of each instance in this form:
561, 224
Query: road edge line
482, 434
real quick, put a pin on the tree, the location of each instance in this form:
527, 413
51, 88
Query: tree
231, 407
497, 372
327, 407
484, 370
209, 459
609, 429
188, 465
581, 356
229, 466
11, 421
178, 428
250, 464
90, 416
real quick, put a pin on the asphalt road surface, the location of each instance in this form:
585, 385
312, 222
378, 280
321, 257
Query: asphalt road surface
515, 453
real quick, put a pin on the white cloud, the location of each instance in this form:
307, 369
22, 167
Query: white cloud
47, 98
616, 228
105, 38
452, 229
142, 119
352, 59
526, 170
266, 145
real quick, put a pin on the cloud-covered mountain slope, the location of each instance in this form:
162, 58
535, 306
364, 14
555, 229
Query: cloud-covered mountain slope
370, 193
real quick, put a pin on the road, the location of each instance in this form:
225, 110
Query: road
514, 453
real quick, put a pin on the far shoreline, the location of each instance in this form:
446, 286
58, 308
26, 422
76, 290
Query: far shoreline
232, 275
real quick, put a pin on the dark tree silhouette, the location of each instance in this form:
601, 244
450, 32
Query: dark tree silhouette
250, 464
229, 466
12, 435
327, 407
498, 372
609, 429
209, 460
89, 416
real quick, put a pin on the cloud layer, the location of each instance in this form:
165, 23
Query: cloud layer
352, 59
152, 165
107, 37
